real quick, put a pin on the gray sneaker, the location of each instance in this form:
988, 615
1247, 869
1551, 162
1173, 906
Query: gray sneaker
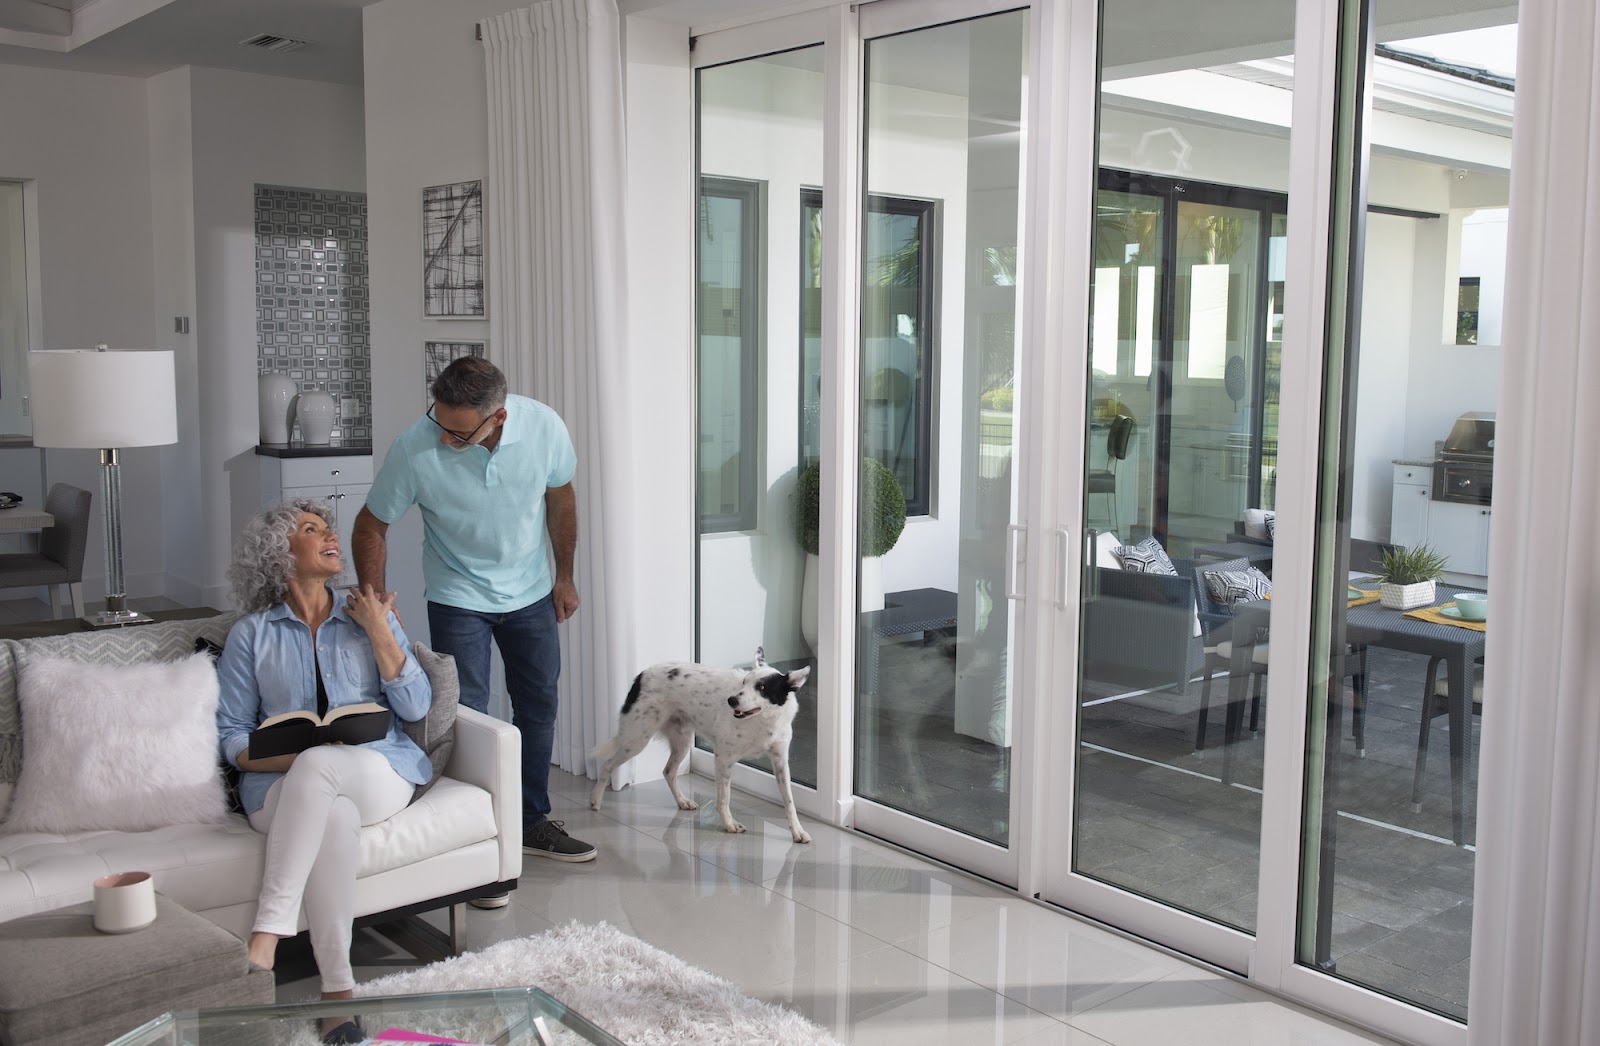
550, 839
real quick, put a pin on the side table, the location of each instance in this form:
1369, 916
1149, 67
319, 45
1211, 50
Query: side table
65, 983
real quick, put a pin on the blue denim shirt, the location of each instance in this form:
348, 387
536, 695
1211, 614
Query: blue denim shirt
266, 669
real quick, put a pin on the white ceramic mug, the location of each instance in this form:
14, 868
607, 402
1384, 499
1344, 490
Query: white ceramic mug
124, 902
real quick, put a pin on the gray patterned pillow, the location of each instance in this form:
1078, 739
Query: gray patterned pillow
1227, 587
1147, 557
1272, 527
435, 733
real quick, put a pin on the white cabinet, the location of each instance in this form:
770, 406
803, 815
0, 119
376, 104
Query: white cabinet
344, 480
1408, 520
1460, 533
1456, 531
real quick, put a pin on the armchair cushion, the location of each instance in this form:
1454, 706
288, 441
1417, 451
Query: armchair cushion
1259, 524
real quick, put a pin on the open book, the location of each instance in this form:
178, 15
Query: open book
294, 732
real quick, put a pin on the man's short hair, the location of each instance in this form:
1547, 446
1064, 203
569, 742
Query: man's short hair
471, 381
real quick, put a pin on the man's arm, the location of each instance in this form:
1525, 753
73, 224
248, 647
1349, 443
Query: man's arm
369, 538
561, 519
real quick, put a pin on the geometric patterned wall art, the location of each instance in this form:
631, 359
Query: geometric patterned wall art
436, 356
452, 250
312, 296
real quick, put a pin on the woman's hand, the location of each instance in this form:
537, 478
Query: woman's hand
369, 609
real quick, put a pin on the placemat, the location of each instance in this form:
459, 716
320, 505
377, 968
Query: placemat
1432, 615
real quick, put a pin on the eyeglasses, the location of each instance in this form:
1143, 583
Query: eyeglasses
459, 437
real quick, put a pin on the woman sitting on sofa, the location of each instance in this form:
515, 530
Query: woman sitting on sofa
304, 646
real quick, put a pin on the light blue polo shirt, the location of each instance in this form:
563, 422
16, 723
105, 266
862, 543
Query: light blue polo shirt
484, 544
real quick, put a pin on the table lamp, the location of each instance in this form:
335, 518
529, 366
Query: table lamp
107, 401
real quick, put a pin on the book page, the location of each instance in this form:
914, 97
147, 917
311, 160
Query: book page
361, 709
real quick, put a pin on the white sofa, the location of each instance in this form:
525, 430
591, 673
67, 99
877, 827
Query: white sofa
461, 839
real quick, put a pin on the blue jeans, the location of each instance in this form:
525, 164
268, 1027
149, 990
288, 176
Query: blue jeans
531, 648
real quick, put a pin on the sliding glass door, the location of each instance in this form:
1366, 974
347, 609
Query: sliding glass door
934, 710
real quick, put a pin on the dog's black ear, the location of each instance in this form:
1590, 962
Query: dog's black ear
761, 657
797, 678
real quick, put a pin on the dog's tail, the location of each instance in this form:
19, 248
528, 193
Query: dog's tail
606, 749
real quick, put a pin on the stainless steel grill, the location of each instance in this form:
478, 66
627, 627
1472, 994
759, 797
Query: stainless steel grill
1464, 468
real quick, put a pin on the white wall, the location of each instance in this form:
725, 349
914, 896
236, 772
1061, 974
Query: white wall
248, 129
83, 139
1383, 375
173, 265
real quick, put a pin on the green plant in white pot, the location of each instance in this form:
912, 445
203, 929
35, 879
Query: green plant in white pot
1409, 577
883, 518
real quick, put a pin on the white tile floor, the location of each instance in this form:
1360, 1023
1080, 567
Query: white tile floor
873, 944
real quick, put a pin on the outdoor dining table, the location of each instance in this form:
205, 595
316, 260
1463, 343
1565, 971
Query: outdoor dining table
1374, 624
1370, 624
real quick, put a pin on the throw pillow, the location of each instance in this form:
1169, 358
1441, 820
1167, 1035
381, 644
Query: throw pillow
230, 773
1272, 527
1147, 557
117, 747
1228, 587
435, 733
1255, 524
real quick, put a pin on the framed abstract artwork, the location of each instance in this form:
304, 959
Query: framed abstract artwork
452, 250
436, 356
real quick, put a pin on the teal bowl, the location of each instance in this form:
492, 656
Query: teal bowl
1473, 606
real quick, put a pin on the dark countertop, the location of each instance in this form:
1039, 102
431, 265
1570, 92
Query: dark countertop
336, 449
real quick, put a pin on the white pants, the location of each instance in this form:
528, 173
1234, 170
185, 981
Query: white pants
312, 819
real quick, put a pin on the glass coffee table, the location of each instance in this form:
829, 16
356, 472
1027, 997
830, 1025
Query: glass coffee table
498, 1016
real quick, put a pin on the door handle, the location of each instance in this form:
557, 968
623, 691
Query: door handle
1016, 557
1062, 545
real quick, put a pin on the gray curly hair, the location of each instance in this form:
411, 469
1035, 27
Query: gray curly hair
262, 564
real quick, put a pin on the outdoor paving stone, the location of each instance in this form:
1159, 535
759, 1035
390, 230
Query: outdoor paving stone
1427, 950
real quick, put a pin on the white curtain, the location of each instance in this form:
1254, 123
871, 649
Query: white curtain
553, 213
1536, 933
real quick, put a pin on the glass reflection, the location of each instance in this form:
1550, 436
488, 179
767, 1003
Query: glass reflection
760, 148
938, 369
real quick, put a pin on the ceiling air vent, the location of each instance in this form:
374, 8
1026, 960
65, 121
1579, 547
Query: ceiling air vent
269, 42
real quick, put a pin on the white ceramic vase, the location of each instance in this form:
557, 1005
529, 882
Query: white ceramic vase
871, 594
317, 414
276, 403
1406, 597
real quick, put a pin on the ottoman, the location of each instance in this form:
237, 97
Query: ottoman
64, 982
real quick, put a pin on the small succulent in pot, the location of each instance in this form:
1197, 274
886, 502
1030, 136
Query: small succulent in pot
1408, 577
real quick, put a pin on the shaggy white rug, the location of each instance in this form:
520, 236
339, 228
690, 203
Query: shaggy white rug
637, 992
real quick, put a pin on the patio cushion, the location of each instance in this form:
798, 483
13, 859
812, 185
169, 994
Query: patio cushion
1147, 557
1441, 686
1228, 587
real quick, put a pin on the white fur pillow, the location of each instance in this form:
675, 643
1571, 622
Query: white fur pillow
117, 747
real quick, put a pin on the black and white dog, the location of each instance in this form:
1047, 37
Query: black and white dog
742, 714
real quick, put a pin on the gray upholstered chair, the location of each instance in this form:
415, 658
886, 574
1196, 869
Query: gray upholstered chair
59, 560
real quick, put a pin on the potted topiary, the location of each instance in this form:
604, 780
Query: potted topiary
883, 518
1409, 577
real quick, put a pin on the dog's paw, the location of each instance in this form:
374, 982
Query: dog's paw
733, 827
802, 836
688, 804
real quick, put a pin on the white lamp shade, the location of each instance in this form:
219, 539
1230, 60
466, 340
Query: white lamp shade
103, 399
